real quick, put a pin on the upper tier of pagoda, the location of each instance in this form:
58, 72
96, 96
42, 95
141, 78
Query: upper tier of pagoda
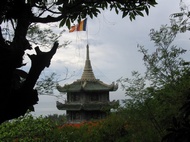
88, 82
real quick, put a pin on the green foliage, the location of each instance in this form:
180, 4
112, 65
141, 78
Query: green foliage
92, 9
153, 99
38, 35
114, 129
47, 85
179, 130
180, 20
57, 119
111, 129
141, 125
165, 65
134, 87
28, 128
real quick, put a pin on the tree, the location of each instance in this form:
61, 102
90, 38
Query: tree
179, 130
180, 20
166, 63
156, 96
17, 87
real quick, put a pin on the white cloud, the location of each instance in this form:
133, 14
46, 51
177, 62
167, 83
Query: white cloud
113, 45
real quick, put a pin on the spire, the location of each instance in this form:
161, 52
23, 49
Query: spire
88, 74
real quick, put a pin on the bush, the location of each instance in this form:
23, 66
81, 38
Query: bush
40, 129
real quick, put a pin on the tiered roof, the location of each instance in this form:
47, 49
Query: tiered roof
88, 82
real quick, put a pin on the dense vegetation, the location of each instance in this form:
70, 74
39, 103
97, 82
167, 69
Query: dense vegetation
40, 129
157, 110
159, 105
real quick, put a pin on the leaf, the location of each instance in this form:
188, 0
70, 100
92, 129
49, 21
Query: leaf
62, 23
60, 8
177, 15
132, 16
59, 2
116, 10
147, 10
68, 24
140, 13
124, 14
91, 16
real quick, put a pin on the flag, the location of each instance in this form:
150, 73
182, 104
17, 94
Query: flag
79, 27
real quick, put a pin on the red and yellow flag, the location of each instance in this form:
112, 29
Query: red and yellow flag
79, 27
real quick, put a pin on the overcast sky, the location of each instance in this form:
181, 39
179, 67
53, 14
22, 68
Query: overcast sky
113, 49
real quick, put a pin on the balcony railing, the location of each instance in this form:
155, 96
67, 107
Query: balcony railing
85, 105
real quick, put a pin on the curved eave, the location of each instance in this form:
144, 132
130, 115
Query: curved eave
61, 106
69, 88
86, 106
79, 85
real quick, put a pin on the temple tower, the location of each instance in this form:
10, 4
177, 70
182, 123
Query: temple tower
88, 97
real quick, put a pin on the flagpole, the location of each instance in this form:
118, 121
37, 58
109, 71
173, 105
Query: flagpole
87, 32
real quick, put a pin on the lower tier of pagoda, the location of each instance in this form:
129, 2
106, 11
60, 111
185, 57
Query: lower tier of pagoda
87, 105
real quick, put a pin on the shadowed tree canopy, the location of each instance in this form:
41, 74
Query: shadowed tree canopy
17, 93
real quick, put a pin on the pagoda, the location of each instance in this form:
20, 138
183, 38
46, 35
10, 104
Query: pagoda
88, 97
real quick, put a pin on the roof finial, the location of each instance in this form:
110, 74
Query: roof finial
88, 72
87, 52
